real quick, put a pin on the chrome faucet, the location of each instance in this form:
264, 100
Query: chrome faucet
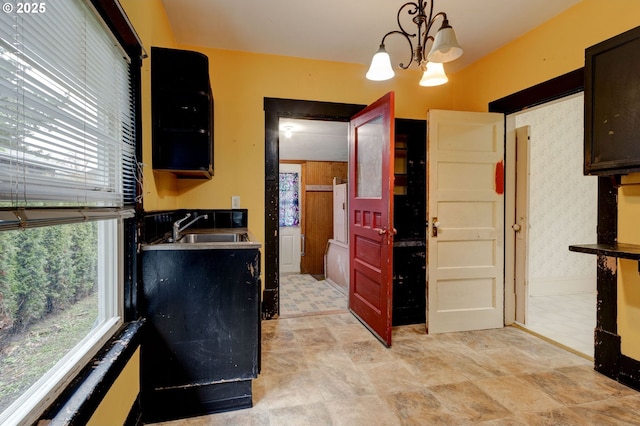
177, 228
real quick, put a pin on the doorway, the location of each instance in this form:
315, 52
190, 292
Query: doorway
275, 109
557, 288
313, 156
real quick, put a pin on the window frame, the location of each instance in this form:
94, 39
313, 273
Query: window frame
35, 400
122, 297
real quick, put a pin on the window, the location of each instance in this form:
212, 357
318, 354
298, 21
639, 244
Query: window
67, 184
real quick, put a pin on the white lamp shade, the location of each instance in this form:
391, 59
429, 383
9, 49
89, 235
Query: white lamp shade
445, 45
380, 68
434, 75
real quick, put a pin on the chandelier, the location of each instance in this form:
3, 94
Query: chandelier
444, 46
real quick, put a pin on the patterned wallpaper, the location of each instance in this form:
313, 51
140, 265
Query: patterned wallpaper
562, 201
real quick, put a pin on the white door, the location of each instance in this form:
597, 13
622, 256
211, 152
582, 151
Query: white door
289, 224
466, 221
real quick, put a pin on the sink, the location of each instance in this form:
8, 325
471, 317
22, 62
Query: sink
231, 237
208, 239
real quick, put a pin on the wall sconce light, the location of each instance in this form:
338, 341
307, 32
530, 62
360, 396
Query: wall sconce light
444, 48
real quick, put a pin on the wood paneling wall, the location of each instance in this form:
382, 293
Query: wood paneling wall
317, 205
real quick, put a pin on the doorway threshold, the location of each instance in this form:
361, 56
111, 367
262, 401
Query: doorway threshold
524, 328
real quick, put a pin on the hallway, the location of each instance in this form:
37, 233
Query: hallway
302, 294
329, 370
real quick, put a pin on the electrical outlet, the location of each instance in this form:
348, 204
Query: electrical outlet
235, 202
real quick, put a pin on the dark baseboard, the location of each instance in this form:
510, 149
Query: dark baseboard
168, 404
629, 372
607, 353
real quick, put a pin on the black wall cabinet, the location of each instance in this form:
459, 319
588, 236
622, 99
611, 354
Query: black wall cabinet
182, 113
612, 105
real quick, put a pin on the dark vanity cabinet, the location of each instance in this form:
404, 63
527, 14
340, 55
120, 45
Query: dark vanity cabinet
612, 105
201, 349
409, 246
182, 113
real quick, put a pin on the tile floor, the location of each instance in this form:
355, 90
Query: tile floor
329, 370
567, 319
303, 294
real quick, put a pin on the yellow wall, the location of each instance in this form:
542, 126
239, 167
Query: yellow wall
152, 25
548, 51
117, 403
628, 275
240, 82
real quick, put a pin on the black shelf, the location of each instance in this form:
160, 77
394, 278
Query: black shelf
618, 250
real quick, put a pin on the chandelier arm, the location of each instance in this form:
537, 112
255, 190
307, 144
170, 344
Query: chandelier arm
432, 20
416, 9
408, 38
417, 13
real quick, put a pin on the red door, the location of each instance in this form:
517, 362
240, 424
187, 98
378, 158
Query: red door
371, 216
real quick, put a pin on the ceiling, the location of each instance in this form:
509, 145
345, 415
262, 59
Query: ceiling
314, 140
348, 31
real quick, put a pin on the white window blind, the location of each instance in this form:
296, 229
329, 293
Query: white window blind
66, 112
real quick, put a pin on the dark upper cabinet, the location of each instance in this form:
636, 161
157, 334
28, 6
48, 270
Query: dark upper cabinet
612, 105
182, 113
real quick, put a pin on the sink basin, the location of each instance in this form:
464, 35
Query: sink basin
208, 239
231, 237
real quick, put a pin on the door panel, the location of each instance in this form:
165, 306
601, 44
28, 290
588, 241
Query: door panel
466, 217
371, 216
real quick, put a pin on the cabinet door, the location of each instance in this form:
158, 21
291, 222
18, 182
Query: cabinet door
202, 310
612, 105
182, 113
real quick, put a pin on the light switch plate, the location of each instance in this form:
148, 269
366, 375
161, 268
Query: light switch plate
235, 202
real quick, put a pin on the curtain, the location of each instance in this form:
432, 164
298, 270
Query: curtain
289, 199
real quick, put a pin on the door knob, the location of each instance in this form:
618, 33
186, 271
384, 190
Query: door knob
434, 227
382, 231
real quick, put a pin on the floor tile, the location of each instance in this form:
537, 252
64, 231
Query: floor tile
329, 370
303, 294
305, 415
517, 395
361, 411
420, 407
468, 402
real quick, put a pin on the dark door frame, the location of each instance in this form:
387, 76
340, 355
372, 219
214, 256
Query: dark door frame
608, 358
274, 109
